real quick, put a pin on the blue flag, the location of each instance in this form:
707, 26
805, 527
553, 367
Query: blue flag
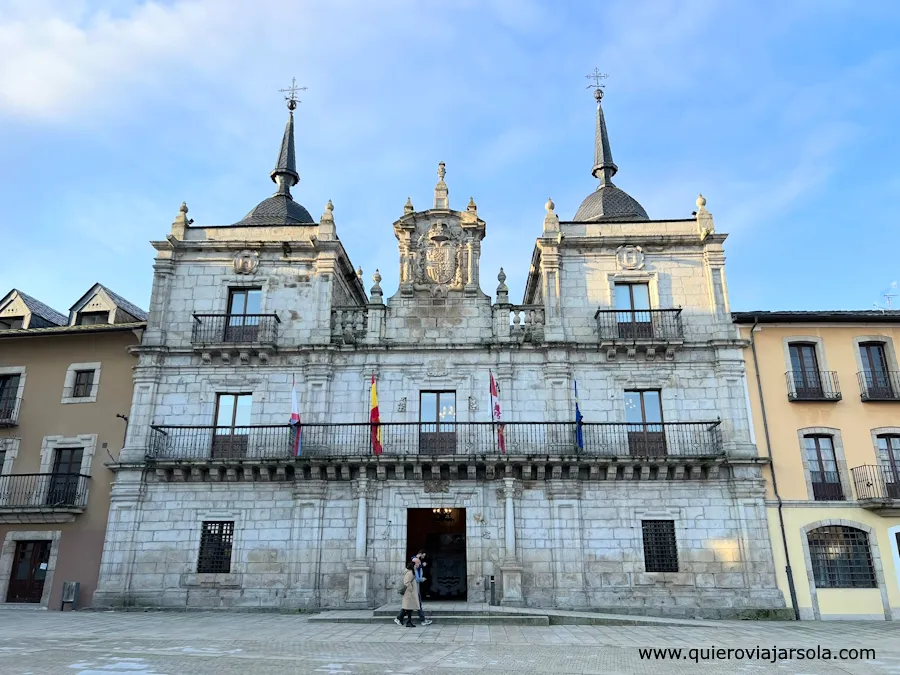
579, 432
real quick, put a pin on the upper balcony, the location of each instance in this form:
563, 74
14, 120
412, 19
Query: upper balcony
661, 443
42, 497
881, 385
9, 411
235, 334
648, 330
878, 488
819, 385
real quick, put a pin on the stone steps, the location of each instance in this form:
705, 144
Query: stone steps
439, 620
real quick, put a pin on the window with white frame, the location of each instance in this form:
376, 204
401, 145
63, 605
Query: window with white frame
82, 383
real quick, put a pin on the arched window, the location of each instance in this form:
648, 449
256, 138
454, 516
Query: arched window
841, 558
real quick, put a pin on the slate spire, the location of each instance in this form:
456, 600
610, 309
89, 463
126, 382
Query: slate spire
604, 167
285, 173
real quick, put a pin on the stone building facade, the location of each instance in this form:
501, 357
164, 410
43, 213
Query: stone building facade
652, 503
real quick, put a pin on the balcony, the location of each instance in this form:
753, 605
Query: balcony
227, 335
879, 386
670, 441
9, 412
648, 330
819, 385
877, 488
42, 497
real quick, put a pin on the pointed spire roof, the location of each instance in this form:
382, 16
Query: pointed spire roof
280, 208
607, 202
286, 166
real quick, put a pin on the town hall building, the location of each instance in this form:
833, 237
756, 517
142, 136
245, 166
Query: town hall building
643, 494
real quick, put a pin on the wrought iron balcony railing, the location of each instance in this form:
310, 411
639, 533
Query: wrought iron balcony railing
43, 490
882, 385
9, 411
876, 483
672, 439
817, 385
642, 324
235, 329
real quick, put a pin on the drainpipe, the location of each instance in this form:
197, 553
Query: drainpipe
762, 406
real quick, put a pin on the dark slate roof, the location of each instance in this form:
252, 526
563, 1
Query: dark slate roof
825, 316
278, 209
610, 203
72, 330
41, 310
132, 309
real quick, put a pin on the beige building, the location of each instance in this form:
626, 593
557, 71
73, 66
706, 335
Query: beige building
825, 397
65, 389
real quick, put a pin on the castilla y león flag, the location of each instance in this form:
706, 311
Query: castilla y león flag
375, 420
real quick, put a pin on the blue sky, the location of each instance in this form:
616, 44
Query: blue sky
784, 115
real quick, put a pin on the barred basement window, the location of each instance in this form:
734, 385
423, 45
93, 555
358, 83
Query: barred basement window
660, 550
216, 539
841, 557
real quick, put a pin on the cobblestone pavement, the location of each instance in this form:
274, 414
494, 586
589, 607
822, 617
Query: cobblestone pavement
161, 643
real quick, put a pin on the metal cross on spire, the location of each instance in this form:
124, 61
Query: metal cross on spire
597, 77
291, 92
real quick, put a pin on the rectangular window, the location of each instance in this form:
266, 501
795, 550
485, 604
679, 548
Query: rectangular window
62, 489
876, 374
643, 416
93, 318
823, 469
841, 558
660, 549
230, 439
84, 383
633, 314
437, 422
244, 307
9, 391
805, 375
216, 540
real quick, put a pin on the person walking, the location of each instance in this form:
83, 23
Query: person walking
410, 601
419, 562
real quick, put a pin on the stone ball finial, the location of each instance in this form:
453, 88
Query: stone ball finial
442, 170
183, 208
329, 206
502, 276
375, 292
376, 277
359, 273
472, 206
701, 202
549, 205
598, 94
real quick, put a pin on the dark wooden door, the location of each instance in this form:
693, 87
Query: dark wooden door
643, 415
633, 314
63, 488
29, 569
232, 432
244, 306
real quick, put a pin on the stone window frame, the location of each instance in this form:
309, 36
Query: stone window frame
211, 387
8, 551
889, 352
20, 371
839, 457
633, 277
69, 385
670, 513
875, 433
873, 551
818, 342
10, 448
893, 534
88, 443
238, 517
239, 282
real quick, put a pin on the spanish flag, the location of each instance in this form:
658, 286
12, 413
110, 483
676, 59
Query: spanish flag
375, 420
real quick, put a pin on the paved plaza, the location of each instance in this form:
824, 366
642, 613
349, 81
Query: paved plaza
160, 643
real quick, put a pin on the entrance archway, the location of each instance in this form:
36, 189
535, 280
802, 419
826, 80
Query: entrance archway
441, 531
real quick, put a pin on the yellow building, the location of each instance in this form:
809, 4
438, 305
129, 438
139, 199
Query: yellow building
824, 390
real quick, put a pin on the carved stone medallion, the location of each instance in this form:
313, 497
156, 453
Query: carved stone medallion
437, 486
630, 257
437, 368
246, 262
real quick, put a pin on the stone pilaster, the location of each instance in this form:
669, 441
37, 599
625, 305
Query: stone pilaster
510, 567
359, 569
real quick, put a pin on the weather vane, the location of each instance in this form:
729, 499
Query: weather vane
291, 92
597, 77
